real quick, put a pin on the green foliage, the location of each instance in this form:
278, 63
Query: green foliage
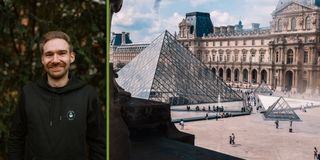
21, 25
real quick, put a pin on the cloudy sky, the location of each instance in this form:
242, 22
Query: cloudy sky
146, 19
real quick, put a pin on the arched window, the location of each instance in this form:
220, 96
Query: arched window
289, 56
308, 23
293, 24
277, 57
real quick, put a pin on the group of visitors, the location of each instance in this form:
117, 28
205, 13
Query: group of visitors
214, 108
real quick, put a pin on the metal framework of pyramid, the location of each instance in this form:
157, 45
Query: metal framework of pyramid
281, 110
166, 71
264, 89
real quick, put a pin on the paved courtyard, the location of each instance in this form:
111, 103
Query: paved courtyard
257, 139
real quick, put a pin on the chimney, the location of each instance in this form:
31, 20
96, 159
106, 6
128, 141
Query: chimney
123, 38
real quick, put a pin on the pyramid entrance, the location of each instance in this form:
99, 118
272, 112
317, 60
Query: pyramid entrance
281, 110
166, 71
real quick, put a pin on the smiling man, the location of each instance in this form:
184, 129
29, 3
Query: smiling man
58, 117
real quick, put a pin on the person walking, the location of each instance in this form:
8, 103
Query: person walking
182, 124
277, 123
315, 153
233, 137
58, 116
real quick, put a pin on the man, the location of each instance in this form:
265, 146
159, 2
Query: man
233, 137
277, 123
58, 117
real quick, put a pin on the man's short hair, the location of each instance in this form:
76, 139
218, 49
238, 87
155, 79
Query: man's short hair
53, 35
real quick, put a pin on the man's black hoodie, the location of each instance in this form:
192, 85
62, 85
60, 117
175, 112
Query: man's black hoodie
63, 123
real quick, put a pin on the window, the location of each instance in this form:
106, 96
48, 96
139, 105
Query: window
261, 57
293, 24
236, 42
206, 56
279, 26
207, 44
220, 43
244, 57
228, 43
253, 42
289, 56
220, 57
198, 55
191, 29
277, 57
236, 57
262, 42
308, 23
214, 58
305, 57
244, 42
228, 57
213, 43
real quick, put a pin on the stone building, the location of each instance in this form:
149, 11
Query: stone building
123, 50
284, 55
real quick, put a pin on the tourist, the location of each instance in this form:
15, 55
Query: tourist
233, 138
230, 139
181, 124
315, 153
277, 123
207, 116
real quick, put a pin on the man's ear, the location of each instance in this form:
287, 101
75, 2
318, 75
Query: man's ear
73, 57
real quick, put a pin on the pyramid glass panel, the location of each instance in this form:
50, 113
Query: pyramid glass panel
263, 89
167, 72
281, 110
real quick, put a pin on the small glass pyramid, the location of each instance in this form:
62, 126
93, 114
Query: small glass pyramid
263, 89
281, 110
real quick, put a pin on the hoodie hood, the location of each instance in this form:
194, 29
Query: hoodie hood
72, 84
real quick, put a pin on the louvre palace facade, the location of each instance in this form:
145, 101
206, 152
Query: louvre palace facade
284, 55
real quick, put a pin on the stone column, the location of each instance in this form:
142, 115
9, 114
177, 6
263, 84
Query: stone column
294, 81
295, 55
232, 75
241, 76
309, 82
259, 76
249, 76
280, 54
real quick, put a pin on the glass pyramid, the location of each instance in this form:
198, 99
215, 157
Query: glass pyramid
263, 89
281, 110
166, 71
